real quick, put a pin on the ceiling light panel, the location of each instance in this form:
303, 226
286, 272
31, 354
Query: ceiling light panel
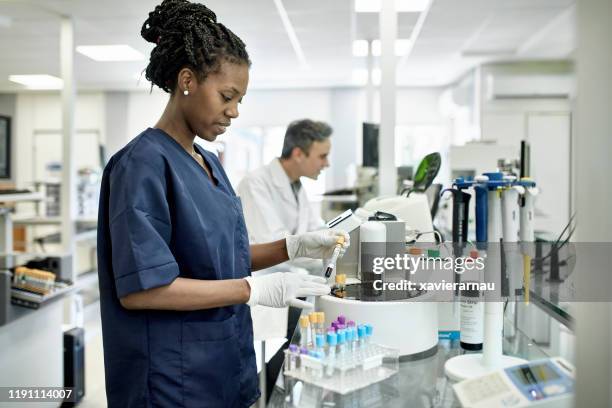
38, 81
402, 6
108, 53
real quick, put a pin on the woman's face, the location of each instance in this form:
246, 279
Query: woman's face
213, 103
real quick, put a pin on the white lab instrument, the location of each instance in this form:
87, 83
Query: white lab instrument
409, 325
372, 243
547, 383
492, 358
527, 235
414, 210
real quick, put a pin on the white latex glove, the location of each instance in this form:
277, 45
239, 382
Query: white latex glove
316, 244
282, 289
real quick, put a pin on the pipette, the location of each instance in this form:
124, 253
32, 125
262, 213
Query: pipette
332, 262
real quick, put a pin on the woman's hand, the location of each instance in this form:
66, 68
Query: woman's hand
282, 289
316, 244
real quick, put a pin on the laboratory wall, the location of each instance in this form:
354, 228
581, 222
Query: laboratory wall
424, 123
38, 133
265, 114
533, 101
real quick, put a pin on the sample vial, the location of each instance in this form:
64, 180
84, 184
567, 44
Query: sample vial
312, 318
304, 332
339, 287
321, 322
292, 357
369, 331
331, 265
361, 333
303, 351
354, 337
341, 341
349, 339
320, 342
332, 342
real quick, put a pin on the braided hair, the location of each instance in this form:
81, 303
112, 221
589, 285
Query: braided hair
188, 36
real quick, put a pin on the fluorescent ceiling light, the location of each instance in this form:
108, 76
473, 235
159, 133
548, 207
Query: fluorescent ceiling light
402, 6
119, 52
38, 81
295, 43
360, 47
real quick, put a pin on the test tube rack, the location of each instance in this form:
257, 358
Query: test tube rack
344, 373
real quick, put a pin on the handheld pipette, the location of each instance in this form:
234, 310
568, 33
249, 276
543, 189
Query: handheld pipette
332, 262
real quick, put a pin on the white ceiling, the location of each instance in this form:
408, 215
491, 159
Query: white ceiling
456, 35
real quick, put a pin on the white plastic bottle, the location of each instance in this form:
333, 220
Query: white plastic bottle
372, 237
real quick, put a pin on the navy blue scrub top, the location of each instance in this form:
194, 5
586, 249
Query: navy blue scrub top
161, 217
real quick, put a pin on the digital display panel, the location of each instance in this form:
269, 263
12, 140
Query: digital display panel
535, 374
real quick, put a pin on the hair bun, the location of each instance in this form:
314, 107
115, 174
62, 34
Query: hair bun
161, 19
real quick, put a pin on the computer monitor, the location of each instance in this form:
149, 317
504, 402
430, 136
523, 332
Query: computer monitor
525, 159
370, 144
5, 147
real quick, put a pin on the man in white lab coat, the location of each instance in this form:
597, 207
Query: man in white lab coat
275, 205
274, 202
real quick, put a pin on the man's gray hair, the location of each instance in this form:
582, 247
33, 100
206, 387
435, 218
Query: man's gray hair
302, 133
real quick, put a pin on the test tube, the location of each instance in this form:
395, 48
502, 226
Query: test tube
361, 333
312, 318
320, 342
341, 340
341, 319
304, 331
294, 351
350, 325
369, 331
341, 282
332, 342
331, 265
349, 339
303, 351
321, 321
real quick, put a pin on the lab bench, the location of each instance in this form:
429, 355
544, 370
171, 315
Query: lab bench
422, 383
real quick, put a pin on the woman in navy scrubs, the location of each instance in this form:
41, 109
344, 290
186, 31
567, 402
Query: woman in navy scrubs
174, 259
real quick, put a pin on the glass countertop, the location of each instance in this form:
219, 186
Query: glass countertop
420, 383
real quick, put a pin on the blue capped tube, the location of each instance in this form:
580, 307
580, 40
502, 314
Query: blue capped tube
341, 340
361, 333
332, 342
320, 342
369, 330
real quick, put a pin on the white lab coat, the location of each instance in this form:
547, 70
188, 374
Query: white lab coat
271, 213
270, 209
